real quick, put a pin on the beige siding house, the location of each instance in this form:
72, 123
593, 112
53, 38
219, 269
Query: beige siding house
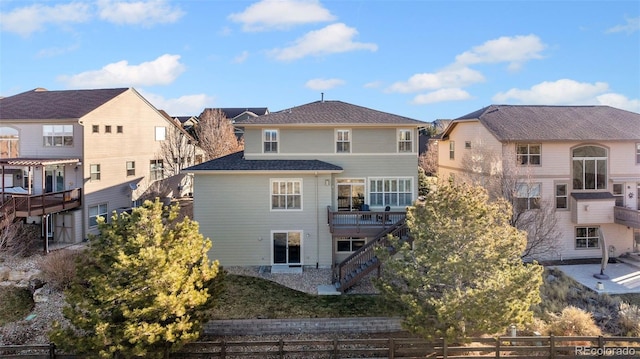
583, 162
76, 155
313, 186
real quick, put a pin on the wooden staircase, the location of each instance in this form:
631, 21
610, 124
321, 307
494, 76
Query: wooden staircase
8, 212
363, 261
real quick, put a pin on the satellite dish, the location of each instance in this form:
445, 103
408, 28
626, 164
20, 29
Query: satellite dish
133, 186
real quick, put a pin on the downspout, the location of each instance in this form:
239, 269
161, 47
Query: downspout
317, 226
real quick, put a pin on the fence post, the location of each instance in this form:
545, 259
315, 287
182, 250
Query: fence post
335, 348
281, 348
552, 347
392, 348
600, 342
444, 348
498, 347
223, 349
52, 351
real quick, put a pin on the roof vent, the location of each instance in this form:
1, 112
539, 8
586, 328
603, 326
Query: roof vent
321, 96
40, 89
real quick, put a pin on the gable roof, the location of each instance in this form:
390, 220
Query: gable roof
237, 162
47, 105
331, 113
555, 123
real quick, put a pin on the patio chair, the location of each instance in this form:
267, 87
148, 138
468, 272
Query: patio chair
384, 218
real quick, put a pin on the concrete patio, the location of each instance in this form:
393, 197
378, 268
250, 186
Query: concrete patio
623, 277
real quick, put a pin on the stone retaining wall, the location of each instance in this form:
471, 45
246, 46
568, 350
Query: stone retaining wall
299, 326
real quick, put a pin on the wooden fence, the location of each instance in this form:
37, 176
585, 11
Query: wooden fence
396, 348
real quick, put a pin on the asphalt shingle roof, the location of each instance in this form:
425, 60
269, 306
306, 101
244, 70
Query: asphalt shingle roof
558, 123
331, 112
236, 162
42, 104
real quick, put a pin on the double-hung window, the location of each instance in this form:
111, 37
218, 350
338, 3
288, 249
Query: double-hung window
270, 141
587, 237
618, 193
131, 168
57, 135
95, 212
343, 141
156, 169
527, 196
94, 170
390, 192
452, 150
405, 142
562, 196
286, 194
638, 153
528, 154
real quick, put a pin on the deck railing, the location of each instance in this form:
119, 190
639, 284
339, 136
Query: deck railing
363, 219
626, 216
40, 204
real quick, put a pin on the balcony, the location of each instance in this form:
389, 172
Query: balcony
361, 223
38, 205
626, 217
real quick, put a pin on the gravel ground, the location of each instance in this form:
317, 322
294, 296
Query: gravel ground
34, 330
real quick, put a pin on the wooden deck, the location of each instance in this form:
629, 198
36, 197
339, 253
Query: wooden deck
361, 223
627, 217
38, 205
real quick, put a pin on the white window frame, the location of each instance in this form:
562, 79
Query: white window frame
403, 141
598, 185
558, 196
271, 141
288, 231
57, 135
161, 133
288, 181
131, 168
638, 153
384, 190
452, 150
340, 140
156, 166
9, 142
587, 237
525, 158
531, 192
94, 172
101, 210
617, 189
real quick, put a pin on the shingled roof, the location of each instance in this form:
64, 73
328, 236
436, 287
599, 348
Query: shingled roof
556, 123
331, 113
47, 105
236, 162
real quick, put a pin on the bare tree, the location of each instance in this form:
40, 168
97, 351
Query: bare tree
177, 151
428, 160
497, 172
216, 134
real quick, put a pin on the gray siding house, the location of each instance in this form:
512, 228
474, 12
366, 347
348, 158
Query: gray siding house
316, 185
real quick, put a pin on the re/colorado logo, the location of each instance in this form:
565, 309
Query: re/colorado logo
605, 351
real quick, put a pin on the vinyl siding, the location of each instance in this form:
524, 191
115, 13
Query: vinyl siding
240, 221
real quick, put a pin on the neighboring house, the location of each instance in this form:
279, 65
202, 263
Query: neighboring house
311, 187
78, 155
584, 161
237, 115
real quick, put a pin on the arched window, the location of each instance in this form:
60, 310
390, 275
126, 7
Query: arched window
9, 142
589, 168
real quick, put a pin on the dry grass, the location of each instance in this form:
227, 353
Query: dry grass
59, 268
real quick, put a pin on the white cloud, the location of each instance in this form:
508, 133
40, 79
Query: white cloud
373, 85
619, 101
281, 14
161, 71
514, 50
334, 38
182, 106
561, 92
241, 58
146, 13
447, 78
323, 84
442, 95
27, 20
632, 25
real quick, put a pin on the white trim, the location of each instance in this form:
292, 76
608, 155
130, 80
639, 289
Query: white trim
287, 231
350, 141
271, 180
413, 140
277, 141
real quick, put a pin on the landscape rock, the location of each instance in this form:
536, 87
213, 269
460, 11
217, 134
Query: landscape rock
41, 295
4, 273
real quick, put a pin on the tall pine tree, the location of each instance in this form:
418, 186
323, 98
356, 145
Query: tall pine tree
463, 275
143, 289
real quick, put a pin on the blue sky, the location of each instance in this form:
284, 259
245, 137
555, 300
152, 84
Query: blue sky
426, 60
